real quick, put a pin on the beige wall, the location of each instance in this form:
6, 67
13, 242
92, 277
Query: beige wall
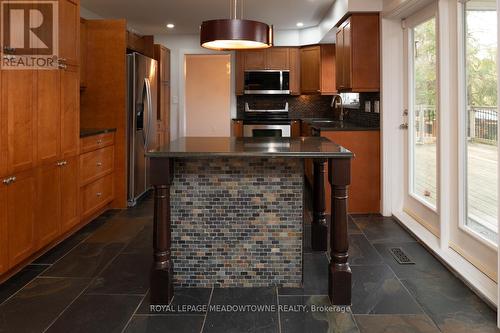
208, 95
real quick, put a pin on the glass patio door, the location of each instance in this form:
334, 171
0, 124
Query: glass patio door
474, 233
421, 119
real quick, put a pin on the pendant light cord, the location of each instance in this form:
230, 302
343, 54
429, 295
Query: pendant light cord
233, 9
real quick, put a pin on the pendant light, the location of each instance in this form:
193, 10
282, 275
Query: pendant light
235, 34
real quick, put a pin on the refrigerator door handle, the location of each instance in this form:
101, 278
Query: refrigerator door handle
149, 115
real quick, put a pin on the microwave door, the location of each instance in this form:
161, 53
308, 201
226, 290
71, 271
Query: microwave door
265, 82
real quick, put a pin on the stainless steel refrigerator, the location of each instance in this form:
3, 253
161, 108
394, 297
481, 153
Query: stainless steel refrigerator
141, 121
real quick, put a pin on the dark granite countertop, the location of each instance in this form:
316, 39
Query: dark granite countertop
85, 132
335, 125
308, 147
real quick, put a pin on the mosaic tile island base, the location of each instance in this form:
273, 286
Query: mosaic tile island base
237, 222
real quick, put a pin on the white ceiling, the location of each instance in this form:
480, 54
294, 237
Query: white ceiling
151, 16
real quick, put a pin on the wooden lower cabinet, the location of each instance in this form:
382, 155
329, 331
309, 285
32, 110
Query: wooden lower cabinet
237, 128
96, 195
96, 164
48, 204
21, 207
4, 239
70, 194
296, 128
96, 175
364, 191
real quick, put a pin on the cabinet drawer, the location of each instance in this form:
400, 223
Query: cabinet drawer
96, 195
95, 142
95, 164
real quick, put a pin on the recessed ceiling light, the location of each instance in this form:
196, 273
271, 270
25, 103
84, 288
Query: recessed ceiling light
170, 26
300, 24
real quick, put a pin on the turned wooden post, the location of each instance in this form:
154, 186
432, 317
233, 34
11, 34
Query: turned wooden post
161, 174
339, 277
319, 228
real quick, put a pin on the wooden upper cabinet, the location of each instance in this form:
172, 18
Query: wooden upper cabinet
240, 73
294, 71
254, 60
48, 204
310, 66
358, 53
317, 69
328, 80
69, 175
278, 58
162, 55
4, 240
48, 108
70, 112
21, 206
19, 119
69, 32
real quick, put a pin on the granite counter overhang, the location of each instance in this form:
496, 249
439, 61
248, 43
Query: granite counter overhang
337, 126
208, 147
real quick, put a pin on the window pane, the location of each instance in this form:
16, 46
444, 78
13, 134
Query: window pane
481, 117
423, 114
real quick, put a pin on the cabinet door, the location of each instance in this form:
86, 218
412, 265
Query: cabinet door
165, 64
237, 128
83, 53
69, 32
310, 63
21, 200
294, 71
19, 118
254, 59
240, 72
70, 112
4, 240
4, 147
48, 204
339, 59
70, 191
328, 84
347, 55
48, 116
278, 58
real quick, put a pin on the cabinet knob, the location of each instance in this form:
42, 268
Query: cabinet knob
99, 164
99, 194
99, 141
62, 60
7, 181
62, 66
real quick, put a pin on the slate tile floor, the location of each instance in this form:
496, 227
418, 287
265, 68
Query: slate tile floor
97, 281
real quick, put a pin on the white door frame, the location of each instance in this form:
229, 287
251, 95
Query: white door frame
392, 142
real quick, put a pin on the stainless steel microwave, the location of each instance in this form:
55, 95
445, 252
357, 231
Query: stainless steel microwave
267, 82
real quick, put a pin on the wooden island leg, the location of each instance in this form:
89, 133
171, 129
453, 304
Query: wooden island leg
161, 173
319, 228
339, 277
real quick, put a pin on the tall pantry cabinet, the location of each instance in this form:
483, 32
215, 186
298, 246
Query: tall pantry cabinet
39, 137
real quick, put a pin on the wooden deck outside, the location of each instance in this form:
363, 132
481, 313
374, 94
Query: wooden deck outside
482, 174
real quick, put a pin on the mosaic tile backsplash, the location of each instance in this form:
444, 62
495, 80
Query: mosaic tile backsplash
237, 222
312, 106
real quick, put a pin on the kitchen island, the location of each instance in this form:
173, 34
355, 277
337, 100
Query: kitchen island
228, 213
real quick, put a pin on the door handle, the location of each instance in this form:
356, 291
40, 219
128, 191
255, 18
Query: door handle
150, 111
403, 126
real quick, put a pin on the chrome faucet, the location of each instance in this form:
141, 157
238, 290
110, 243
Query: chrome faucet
338, 97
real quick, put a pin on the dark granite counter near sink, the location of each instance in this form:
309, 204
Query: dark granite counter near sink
85, 132
336, 125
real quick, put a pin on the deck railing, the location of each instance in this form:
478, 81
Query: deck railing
482, 124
